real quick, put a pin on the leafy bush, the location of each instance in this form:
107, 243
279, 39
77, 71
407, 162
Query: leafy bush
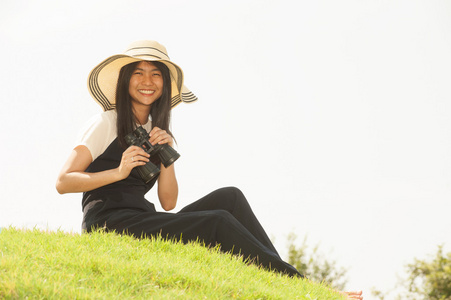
314, 264
431, 279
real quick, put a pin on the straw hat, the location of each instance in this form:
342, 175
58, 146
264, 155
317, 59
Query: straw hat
102, 80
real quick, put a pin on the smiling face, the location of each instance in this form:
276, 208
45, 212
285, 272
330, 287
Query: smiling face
146, 85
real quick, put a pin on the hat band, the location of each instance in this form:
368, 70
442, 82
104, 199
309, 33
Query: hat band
143, 51
140, 55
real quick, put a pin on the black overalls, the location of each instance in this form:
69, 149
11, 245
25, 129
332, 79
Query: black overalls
223, 217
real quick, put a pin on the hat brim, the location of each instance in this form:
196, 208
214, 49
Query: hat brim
102, 80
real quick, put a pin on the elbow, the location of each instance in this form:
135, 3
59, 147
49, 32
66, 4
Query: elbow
60, 188
168, 203
60, 185
168, 207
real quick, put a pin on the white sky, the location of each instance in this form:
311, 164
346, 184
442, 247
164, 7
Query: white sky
333, 117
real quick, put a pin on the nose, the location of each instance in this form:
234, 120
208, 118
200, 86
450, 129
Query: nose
147, 79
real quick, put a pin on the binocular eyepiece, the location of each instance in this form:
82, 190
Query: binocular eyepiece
166, 154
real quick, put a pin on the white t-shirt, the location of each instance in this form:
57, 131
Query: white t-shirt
100, 131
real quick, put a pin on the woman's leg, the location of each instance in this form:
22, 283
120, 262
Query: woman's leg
231, 199
211, 227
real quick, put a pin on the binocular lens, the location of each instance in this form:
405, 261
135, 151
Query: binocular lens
166, 153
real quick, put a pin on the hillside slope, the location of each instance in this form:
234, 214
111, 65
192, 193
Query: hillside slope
59, 265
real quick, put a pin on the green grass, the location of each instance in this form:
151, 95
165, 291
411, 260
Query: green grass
58, 265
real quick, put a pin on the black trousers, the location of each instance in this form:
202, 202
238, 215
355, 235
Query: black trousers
223, 218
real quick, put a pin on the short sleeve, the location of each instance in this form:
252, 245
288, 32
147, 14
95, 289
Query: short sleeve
98, 133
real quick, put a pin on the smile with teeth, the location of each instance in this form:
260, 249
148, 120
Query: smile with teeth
146, 92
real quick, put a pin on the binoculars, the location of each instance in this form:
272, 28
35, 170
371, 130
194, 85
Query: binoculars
167, 154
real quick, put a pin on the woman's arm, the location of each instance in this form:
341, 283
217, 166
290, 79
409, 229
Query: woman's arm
74, 179
167, 188
167, 182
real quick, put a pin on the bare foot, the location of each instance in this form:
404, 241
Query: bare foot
353, 295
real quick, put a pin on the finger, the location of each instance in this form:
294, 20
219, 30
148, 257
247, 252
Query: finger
158, 136
135, 151
153, 134
131, 160
136, 160
155, 129
166, 140
131, 151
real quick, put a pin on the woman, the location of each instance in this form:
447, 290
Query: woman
139, 88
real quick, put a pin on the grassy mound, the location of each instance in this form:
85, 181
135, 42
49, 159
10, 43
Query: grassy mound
58, 265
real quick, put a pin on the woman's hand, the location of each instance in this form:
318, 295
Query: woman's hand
74, 179
160, 136
132, 157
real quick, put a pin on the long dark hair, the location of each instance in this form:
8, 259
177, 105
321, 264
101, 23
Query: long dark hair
160, 110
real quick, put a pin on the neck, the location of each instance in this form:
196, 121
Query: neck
141, 115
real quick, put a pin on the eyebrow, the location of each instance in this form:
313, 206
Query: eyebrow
141, 69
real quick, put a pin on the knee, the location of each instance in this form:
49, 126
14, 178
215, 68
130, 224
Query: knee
231, 192
231, 189
230, 199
